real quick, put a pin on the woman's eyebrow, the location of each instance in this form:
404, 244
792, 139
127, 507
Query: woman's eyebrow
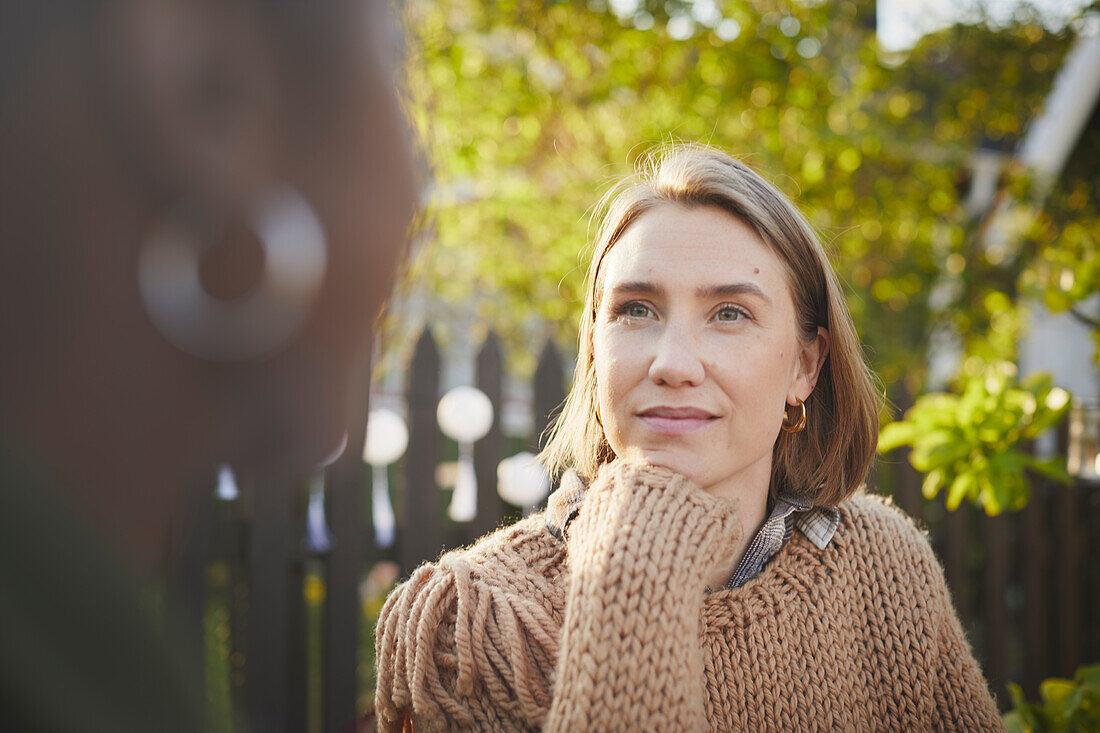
637, 287
730, 289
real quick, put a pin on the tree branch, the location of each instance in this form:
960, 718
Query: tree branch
1090, 321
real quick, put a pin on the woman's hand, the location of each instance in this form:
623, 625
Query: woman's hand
640, 550
635, 511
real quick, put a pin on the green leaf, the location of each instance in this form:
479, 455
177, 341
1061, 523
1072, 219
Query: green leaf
1044, 420
1052, 410
1038, 382
971, 405
1056, 691
897, 434
1014, 723
961, 488
1088, 676
1010, 461
988, 494
932, 483
1073, 703
1051, 468
938, 409
1023, 717
937, 449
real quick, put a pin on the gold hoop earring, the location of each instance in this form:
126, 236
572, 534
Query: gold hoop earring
799, 425
598, 420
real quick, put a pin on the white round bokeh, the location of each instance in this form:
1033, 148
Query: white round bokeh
387, 437
522, 480
465, 414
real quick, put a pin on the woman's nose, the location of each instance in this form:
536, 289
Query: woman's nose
677, 361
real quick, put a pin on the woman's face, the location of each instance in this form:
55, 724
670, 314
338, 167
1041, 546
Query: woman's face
696, 348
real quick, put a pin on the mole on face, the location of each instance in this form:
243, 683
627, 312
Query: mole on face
756, 271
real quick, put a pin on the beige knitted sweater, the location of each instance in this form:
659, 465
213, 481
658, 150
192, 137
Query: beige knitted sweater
611, 629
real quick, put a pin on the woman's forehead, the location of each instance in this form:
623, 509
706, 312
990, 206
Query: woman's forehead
702, 246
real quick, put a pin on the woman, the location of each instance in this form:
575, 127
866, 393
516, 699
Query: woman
720, 569
202, 207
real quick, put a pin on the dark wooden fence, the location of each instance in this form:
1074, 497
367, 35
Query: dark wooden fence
1027, 585
274, 655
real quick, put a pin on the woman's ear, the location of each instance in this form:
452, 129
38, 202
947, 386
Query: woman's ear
191, 97
811, 358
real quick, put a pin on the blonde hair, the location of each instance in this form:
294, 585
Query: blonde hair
827, 461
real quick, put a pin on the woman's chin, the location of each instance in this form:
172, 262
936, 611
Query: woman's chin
689, 466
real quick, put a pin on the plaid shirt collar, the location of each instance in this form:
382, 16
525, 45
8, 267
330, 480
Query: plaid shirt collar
789, 512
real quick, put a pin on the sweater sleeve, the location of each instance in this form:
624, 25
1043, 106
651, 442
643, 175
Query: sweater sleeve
961, 697
631, 655
963, 700
455, 651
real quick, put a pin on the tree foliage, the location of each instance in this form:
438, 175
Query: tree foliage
1061, 248
1064, 705
973, 445
527, 109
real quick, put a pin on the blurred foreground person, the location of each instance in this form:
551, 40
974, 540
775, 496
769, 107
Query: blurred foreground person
202, 207
708, 562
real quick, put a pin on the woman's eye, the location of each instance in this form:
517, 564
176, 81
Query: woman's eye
632, 310
729, 314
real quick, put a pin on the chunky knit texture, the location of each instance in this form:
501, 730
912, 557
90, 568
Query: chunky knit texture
611, 629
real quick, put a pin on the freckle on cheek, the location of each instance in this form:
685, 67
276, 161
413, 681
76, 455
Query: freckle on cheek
756, 271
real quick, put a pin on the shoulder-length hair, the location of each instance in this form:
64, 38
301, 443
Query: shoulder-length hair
828, 460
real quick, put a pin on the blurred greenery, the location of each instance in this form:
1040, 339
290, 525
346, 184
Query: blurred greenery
528, 109
224, 667
224, 662
973, 444
372, 604
1065, 705
217, 630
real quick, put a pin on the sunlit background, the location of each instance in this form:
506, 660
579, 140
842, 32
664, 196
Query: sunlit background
526, 111
947, 151
902, 23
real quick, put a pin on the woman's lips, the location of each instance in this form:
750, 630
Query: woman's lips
675, 420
